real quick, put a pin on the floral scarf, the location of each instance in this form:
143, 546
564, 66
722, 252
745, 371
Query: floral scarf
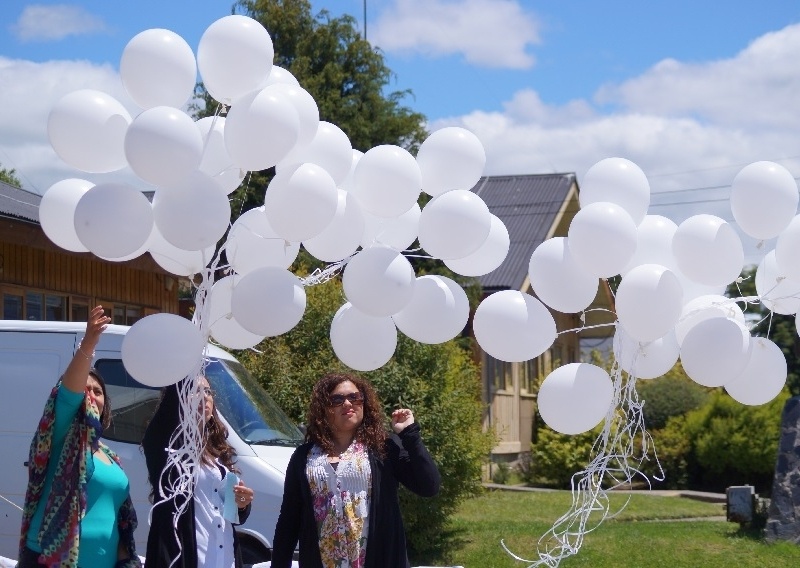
66, 504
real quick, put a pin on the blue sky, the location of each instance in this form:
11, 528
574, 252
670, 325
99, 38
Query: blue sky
691, 91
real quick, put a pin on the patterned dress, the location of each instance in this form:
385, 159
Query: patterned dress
341, 504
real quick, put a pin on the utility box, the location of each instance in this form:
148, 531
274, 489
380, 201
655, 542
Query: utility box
740, 503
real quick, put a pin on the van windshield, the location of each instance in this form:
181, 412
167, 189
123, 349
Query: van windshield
249, 411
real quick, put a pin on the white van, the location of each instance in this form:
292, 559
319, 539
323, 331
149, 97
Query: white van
33, 355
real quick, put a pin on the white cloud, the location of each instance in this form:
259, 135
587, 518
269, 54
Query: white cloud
28, 91
690, 126
486, 33
53, 22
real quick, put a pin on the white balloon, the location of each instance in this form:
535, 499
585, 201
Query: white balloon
706, 307
138, 252
307, 112
252, 243
778, 293
360, 341
764, 199
558, 280
261, 128
387, 181
787, 249
708, 250
163, 145
715, 351
602, 238
178, 261
215, 157
234, 57
193, 213
764, 376
342, 236
454, 224
450, 158
158, 68
113, 219
268, 301
379, 281
395, 232
57, 212
161, 349
513, 326
348, 183
329, 148
575, 397
618, 181
647, 360
489, 256
654, 243
301, 202
222, 325
279, 75
648, 302
87, 130
437, 312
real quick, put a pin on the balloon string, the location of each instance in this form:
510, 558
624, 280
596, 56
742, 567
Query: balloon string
620, 449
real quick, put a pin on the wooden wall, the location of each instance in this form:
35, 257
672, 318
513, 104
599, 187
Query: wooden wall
30, 261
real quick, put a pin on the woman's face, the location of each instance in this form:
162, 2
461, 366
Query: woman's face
345, 415
95, 393
207, 398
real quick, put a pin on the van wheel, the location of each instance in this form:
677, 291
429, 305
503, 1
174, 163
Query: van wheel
253, 551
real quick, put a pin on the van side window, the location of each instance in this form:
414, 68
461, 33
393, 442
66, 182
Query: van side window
132, 403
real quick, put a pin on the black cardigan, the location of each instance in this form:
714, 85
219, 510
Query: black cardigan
162, 545
407, 461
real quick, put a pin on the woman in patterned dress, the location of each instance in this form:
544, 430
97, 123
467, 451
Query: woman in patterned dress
78, 510
340, 496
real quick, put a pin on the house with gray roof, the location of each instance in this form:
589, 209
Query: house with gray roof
534, 208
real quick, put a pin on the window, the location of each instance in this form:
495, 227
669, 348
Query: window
498, 373
529, 376
37, 305
132, 403
12, 306
122, 314
79, 309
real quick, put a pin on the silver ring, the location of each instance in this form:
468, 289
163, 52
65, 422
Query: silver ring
241, 499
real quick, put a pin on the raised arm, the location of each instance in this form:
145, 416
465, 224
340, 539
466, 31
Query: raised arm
77, 372
413, 465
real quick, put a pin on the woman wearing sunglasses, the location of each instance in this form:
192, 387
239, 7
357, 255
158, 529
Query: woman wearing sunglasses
340, 496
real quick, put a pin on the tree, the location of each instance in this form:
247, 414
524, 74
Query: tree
345, 75
9, 177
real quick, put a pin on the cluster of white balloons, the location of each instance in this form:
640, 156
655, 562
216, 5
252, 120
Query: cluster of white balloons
669, 303
342, 205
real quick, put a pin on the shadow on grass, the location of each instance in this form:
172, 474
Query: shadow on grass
441, 552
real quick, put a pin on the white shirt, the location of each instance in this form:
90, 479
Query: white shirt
213, 533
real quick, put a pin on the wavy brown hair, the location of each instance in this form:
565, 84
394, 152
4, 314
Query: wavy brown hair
371, 432
215, 438
105, 416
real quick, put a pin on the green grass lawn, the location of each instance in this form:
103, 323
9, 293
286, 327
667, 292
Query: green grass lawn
648, 533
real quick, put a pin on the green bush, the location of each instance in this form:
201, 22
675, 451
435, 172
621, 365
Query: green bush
674, 394
502, 473
556, 457
440, 383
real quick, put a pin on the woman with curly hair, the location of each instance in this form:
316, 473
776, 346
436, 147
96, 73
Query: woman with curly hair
204, 535
340, 496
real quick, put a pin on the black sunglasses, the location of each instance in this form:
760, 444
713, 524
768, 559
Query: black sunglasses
355, 398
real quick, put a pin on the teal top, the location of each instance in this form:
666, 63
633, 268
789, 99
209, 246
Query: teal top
106, 491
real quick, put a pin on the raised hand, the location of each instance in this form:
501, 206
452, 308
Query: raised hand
401, 418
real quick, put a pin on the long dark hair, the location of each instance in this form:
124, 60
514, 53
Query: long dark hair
371, 432
215, 436
105, 416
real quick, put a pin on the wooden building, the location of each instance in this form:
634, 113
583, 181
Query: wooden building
41, 281
534, 208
